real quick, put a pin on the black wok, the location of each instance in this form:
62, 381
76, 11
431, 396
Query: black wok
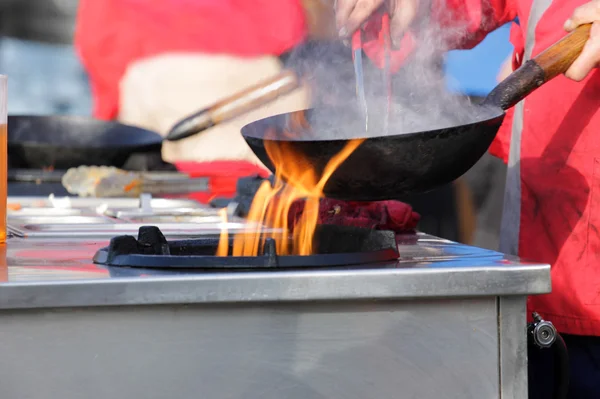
63, 142
386, 167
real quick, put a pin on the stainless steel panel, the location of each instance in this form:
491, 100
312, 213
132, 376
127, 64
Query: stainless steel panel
108, 230
44, 212
136, 213
154, 288
155, 203
92, 203
512, 318
70, 278
174, 219
72, 228
355, 350
36, 222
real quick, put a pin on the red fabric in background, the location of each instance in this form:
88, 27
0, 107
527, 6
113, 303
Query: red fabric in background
111, 34
460, 23
382, 215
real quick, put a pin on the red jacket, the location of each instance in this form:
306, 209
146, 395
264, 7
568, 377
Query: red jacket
552, 204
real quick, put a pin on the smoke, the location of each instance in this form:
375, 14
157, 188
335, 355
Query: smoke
420, 100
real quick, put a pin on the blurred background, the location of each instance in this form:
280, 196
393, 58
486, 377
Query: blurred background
475, 73
46, 77
36, 52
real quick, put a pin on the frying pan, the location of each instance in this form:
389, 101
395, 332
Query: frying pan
63, 142
387, 166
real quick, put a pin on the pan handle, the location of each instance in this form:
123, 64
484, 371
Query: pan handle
235, 105
554, 61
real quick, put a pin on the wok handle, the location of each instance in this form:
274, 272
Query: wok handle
235, 105
555, 60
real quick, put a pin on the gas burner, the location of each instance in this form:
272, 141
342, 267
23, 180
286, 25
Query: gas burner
335, 246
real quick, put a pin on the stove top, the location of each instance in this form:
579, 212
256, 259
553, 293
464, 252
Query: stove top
59, 272
49, 261
336, 246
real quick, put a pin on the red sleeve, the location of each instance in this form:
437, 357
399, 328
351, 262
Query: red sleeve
471, 20
463, 24
111, 34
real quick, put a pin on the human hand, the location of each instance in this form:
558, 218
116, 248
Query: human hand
352, 14
590, 56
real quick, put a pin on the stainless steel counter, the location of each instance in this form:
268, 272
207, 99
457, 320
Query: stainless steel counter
58, 272
444, 321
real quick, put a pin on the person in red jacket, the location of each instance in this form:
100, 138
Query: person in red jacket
551, 142
152, 62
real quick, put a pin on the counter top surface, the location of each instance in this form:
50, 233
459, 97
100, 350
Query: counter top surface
59, 272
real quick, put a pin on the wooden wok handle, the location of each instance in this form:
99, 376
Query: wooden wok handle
555, 60
236, 105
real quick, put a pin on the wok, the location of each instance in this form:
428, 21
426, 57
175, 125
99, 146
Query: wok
387, 166
63, 142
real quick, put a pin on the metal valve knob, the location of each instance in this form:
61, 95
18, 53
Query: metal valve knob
543, 332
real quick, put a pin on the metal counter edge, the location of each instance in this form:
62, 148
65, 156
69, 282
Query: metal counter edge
256, 287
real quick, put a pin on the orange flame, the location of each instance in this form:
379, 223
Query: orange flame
271, 205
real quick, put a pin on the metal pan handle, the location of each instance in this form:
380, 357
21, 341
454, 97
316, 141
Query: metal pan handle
236, 105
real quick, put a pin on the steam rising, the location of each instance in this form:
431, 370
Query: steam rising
420, 99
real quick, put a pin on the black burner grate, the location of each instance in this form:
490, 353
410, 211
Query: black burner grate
335, 246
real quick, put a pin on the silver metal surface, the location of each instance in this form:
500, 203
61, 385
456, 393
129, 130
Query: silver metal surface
93, 203
360, 85
512, 316
209, 213
354, 350
109, 230
176, 219
105, 218
58, 272
145, 203
443, 321
25, 220
44, 212
125, 214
